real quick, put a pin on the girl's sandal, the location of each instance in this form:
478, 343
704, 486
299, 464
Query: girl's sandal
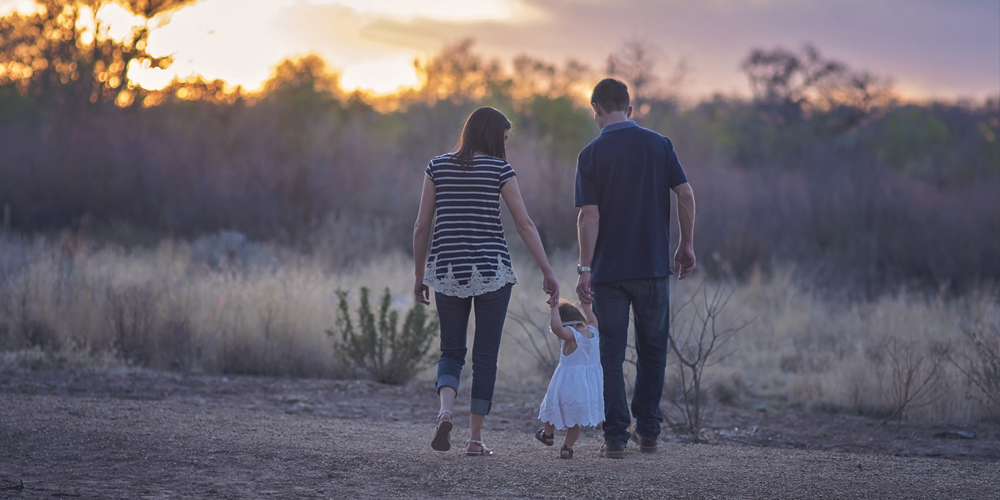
566, 452
546, 439
483, 450
442, 435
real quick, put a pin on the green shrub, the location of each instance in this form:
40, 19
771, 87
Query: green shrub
388, 355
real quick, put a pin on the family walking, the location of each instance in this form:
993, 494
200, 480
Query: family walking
623, 183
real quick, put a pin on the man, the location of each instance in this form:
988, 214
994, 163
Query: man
623, 183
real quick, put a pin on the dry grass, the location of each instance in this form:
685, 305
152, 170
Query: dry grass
260, 310
835, 356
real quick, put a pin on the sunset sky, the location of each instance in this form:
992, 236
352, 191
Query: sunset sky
942, 49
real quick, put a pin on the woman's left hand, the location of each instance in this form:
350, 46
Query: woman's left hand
422, 293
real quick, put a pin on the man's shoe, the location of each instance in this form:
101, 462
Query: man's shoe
611, 451
645, 445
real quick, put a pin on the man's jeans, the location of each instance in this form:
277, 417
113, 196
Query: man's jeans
453, 314
650, 303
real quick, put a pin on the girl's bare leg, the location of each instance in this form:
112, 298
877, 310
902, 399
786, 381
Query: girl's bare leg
549, 429
572, 434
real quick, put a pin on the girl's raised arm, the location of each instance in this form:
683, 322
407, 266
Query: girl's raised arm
555, 322
588, 312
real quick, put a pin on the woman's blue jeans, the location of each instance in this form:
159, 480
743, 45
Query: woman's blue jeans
453, 315
649, 300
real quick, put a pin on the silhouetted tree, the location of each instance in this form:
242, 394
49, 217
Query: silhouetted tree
62, 52
783, 82
459, 75
858, 96
635, 62
195, 88
787, 86
533, 76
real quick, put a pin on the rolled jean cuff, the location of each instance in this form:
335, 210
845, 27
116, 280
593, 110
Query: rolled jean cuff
480, 406
447, 381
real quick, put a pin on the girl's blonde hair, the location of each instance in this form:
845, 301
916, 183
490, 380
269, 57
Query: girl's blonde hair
569, 313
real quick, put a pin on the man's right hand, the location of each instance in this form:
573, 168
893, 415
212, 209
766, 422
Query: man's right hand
684, 261
583, 289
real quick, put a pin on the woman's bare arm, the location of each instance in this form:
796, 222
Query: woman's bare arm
529, 234
421, 233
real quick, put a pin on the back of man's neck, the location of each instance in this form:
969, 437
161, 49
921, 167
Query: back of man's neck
613, 118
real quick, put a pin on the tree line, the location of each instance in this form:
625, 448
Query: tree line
823, 166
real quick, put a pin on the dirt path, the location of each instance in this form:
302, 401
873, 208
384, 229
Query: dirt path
157, 436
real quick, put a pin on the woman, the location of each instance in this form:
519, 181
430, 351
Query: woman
469, 265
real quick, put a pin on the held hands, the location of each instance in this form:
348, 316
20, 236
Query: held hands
551, 287
553, 302
684, 261
583, 289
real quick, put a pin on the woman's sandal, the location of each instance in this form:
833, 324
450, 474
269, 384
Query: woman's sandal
566, 452
546, 439
442, 435
483, 450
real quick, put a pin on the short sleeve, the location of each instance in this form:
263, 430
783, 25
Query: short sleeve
586, 180
429, 171
675, 172
506, 173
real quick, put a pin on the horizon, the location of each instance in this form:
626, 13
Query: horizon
928, 52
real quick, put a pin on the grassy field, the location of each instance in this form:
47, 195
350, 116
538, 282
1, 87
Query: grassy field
222, 304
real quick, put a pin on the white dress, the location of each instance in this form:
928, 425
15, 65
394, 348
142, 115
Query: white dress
576, 391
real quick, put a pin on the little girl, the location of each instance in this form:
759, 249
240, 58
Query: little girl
575, 397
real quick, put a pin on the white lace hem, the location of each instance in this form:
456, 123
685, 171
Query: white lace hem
476, 285
565, 414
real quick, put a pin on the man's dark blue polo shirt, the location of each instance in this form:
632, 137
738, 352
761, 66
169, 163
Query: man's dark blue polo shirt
628, 172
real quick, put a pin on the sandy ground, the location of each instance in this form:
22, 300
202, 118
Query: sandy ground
156, 435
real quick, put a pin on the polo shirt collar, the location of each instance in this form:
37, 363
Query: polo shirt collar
618, 126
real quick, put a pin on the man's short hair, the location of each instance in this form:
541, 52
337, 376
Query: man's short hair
611, 95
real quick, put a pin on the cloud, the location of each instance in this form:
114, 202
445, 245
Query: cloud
332, 30
7, 6
444, 10
930, 47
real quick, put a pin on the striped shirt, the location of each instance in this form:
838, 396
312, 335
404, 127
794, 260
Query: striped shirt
468, 254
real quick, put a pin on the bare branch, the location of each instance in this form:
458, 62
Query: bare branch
696, 342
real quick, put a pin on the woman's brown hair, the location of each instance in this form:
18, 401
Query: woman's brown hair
483, 132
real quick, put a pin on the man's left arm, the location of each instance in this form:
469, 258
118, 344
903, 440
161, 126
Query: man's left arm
684, 259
